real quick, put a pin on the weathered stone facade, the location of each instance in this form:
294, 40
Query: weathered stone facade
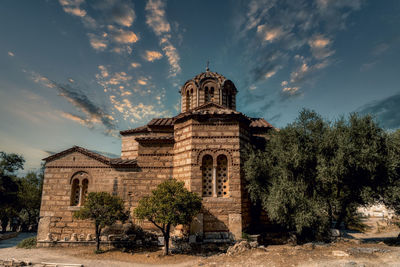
200, 146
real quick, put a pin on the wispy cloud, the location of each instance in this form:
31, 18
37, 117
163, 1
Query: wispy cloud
11, 54
279, 30
107, 32
152, 56
387, 111
91, 113
156, 19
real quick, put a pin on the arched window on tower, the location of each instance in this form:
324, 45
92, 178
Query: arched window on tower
187, 100
207, 176
229, 100
222, 176
212, 94
206, 95
192, 104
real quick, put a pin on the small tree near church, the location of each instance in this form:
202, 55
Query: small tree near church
170, 204
104, 209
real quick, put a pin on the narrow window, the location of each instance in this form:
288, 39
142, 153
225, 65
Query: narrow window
75, 192
187, 101
222, 176
192, 99
212, 94
207, 175
85, 184
206, 95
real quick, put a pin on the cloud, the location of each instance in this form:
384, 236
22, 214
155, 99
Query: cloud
320, 47
135, 65
106, 32
269, 34
387, 111
122, 36
11, 54
156, 19
93, 113
73, 7
99, 44
135, 113
152, 55
276, 30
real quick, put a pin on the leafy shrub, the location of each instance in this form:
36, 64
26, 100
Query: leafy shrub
27, 243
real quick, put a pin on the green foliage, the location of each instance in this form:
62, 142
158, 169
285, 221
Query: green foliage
313, 172
104, 209
170, 204
391, 195
27, 243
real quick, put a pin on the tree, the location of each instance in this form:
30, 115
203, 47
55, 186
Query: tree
313, 172
170, 204
391, 194
9, 164
29, 197
104, 209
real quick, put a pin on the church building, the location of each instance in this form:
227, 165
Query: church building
201, 146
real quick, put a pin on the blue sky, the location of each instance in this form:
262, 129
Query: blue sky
75, 72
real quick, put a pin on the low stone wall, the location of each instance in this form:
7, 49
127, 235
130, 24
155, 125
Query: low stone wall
8, 235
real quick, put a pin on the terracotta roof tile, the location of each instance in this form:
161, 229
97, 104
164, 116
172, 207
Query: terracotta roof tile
155, 138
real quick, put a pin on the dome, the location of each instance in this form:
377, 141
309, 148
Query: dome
208, 87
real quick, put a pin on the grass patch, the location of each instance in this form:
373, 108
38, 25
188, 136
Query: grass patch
27, 243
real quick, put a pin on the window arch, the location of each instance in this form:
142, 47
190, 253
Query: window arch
207, 176
79, 188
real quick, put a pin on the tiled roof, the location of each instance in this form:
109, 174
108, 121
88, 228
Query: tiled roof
209, 74
154, 123
141, 129
260, 123
161, 122
109, 161
155, 138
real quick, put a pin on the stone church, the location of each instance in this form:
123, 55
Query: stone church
201, 146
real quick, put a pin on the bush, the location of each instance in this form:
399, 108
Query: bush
27, 243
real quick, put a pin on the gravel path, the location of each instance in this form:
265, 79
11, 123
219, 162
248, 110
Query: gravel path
38, 255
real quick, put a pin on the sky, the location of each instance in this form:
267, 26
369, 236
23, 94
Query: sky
76, 72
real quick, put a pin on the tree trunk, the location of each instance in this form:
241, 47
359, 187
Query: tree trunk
166, 239
341, 216
97, 237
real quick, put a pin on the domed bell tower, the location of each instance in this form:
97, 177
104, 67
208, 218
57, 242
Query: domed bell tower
208, 87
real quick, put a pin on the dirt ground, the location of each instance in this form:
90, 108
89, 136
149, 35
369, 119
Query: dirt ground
373, 248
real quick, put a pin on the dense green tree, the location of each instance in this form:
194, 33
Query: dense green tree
391, 194
104, 209
314, 172
9, 165
170, 204
29, 197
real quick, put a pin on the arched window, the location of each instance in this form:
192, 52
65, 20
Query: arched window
212, 94
192, 105
206, 95
222, 176
187, 100
229, 100
79, 188
75, 192
207, 176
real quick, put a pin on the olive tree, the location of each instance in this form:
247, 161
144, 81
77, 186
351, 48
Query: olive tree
170, 204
